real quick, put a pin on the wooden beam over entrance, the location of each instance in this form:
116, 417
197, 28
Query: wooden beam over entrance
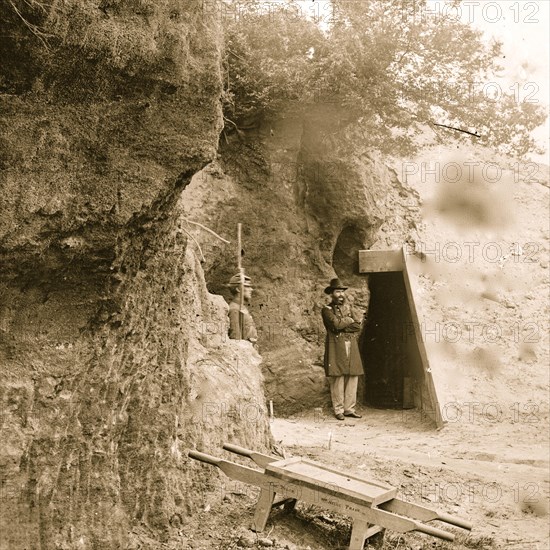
379, 261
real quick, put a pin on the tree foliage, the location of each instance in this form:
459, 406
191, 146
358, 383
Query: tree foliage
392, 68
268, 60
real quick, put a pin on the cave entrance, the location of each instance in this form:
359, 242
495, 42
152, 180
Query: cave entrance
344, 256
397, 371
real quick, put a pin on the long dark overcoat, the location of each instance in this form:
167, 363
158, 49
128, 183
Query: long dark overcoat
341, 329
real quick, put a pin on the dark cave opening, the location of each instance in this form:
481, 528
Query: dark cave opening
391, 358
344, 256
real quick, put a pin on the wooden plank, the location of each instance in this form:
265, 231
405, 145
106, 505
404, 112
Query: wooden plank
259, 458
434, 406
360, 532
302, 465
378, 261
408, 395
263, 508
358, 535
230, 469
321, 478
416, 511
373, 530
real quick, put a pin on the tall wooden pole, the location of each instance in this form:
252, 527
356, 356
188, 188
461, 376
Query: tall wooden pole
241, 282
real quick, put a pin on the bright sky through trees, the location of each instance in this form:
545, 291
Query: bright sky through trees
521, 25
393, 67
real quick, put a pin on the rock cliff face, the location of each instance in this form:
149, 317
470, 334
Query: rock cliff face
109, 369
114, 354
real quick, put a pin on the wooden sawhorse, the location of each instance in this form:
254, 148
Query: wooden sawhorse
373, 506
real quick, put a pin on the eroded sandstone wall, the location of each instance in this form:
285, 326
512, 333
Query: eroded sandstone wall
108, 375
309, 197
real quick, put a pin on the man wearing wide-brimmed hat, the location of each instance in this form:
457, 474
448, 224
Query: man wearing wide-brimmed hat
241, 324
343, 364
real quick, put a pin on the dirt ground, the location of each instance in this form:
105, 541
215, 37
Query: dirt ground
495, 478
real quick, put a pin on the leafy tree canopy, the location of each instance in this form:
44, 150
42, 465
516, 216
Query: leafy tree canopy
392, 68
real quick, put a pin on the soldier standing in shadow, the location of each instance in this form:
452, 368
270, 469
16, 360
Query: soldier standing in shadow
241, 323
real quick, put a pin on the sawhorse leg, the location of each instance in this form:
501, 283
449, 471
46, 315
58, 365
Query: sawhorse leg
360, 532
262, 509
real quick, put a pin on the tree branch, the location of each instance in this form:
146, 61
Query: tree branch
207, 229
457, 129
33, 28
196, 242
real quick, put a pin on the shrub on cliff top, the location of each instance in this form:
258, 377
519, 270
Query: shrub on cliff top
152, 37
391, 70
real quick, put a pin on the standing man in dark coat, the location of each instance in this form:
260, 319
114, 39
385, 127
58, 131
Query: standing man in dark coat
343, 364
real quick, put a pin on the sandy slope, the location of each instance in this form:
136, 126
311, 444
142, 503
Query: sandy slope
483, 283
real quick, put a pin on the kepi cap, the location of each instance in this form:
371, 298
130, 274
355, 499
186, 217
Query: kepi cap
235, 281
